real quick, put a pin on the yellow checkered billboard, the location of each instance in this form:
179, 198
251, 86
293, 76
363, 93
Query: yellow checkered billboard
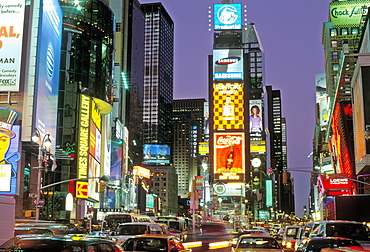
228, 106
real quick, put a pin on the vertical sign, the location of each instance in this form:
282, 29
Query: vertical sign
229, 156
83, 141
47, 69
227, 16
228, 106
11, 36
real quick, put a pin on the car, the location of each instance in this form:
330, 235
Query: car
256, 243
126, 230
32, 230
315, 244
255, 232
290, 237
58, 244
154, 242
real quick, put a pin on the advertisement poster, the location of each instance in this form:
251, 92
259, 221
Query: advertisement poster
255, 116
228, 64
156, 154
9, 153
228, 106
11, 19
47, 69
229, 155
348, 13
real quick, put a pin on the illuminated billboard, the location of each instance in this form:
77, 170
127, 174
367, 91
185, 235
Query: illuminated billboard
228, 106
335, 184
228, 64
255, 116
203, 148
227, 16
257, 147
47, 69
348, 13
229, 156
9, 151
83, 138
11, 19
156, 154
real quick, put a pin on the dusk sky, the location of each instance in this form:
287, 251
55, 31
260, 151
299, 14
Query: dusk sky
290, 33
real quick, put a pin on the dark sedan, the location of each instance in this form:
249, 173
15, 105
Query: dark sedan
315, 244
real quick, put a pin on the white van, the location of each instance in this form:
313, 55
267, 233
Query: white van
126, 230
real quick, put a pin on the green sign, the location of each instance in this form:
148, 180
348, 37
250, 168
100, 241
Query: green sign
348, 12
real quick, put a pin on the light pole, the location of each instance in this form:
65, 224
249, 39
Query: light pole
47, 143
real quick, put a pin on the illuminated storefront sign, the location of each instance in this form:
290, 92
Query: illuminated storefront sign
82, 189
348, 12
227, 16
142, 172
257, 147
228, 64
83, 148
229, 156
335, 184
11, 36
228, 106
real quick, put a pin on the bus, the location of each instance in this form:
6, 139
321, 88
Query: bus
177, 226
112, 221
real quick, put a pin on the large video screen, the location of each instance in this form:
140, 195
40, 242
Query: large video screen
228, 64
156, 154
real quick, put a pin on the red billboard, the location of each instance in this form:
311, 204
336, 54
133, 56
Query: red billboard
335, 184
229, 156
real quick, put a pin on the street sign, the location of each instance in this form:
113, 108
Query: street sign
82, 189
39, 206
41, 202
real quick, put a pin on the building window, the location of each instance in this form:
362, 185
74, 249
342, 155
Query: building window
343, 31
335, 55
333, 32
334, 43
355, 31
335, 67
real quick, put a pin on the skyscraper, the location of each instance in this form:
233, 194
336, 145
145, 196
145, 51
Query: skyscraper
158, 75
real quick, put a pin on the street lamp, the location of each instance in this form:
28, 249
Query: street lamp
47, 143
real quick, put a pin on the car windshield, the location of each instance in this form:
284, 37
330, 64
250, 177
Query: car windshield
131, 229
292, 232
258, 242
145, 244
348, 230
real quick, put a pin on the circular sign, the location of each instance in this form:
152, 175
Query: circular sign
256, 162
219, 188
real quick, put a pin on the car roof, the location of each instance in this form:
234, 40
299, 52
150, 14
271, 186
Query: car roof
154, 236
327, 238
256, 235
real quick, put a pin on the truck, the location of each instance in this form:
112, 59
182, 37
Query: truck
348, 207
7, 218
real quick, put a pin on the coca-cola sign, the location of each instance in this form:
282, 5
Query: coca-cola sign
229, 156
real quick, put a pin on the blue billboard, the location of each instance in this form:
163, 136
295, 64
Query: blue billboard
47, 69
227, 16
156, 154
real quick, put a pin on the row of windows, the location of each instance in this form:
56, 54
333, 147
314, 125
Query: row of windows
345, 31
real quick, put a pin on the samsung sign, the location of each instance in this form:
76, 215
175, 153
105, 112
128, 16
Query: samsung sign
227, 16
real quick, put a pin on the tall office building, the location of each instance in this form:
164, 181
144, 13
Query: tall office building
158, 75
189, 121
283, 184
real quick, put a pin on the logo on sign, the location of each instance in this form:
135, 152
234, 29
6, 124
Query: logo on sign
227, 61
227, 14
82, 189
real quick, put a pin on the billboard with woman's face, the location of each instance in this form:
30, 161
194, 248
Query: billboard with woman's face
255, 116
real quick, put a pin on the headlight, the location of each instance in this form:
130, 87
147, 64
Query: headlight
289, 245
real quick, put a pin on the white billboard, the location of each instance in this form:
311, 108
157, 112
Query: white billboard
11, 36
